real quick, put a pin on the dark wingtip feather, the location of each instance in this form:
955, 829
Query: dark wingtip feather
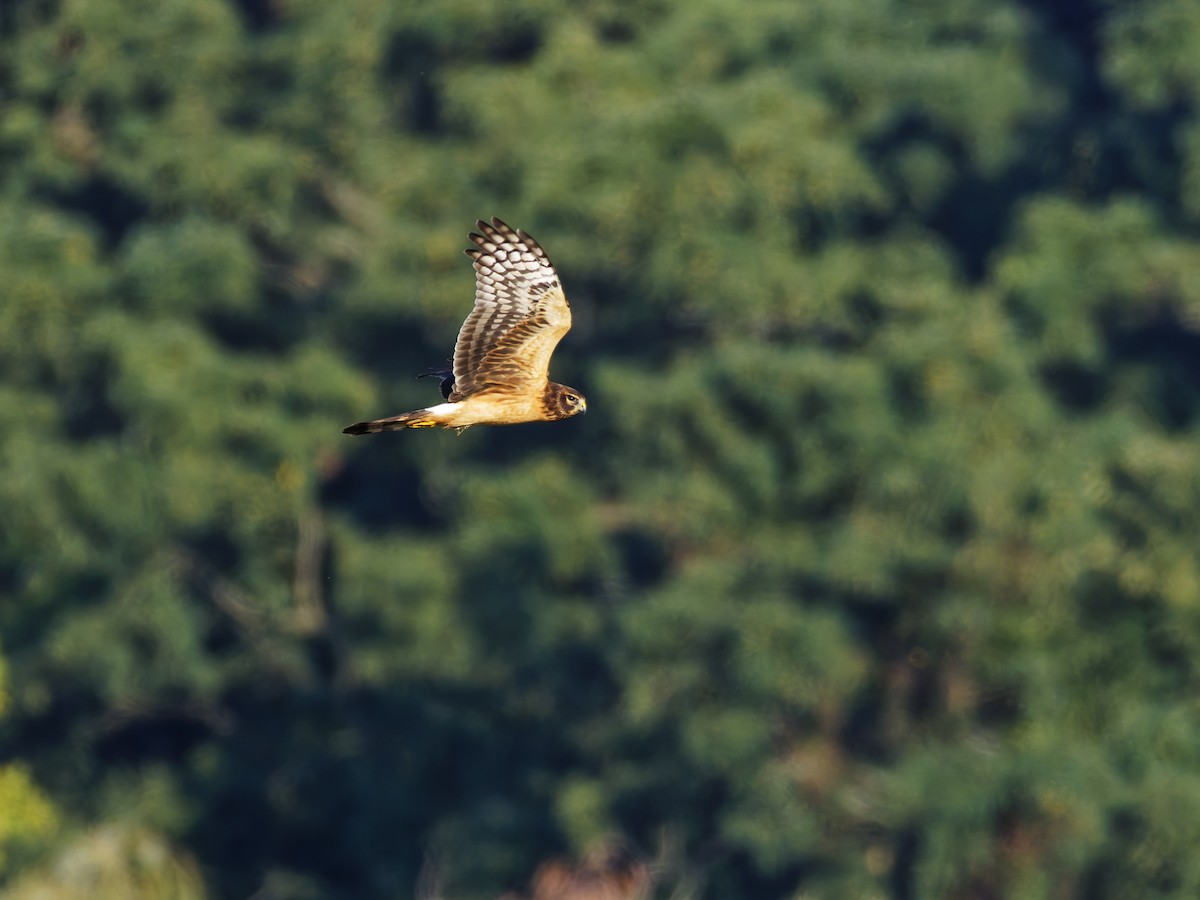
447, 380
357, 428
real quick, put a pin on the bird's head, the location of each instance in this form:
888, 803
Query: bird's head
562, 402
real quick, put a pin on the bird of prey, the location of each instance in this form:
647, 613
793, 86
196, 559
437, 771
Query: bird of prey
502, 356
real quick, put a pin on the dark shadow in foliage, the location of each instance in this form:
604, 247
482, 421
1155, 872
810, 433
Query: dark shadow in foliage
381, 487
1168, 354
259, 15
88, 413
413, 61
1077, 388
1078, 20
498, 605
253, 330
1099, 147
908, 847
504, 446
273, 80
160, 734
394, 347
517, 43
972, 212
669, 781
52, 735
738, 872
645, 559
975, 214
213, 551
113, 209
349, 816
410, 64
1169, 351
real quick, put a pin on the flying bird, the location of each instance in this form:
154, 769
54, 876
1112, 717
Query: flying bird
502, 355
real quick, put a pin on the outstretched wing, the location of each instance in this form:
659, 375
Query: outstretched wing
520, 314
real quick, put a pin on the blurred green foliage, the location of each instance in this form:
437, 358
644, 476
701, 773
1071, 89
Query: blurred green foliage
873, 571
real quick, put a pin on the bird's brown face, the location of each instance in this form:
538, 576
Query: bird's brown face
562, 402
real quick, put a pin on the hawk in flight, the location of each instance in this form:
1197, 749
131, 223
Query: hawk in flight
502, 356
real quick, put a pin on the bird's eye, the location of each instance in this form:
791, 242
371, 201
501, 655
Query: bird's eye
571, 398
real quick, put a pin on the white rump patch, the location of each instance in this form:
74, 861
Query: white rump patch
442, 409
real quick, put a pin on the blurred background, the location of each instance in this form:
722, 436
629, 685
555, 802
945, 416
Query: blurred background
871, 573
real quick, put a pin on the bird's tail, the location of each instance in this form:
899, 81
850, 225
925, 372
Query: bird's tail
418, 418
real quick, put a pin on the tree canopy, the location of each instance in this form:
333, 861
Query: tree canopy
872, 571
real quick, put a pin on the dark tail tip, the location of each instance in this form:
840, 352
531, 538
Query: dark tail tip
358, 428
